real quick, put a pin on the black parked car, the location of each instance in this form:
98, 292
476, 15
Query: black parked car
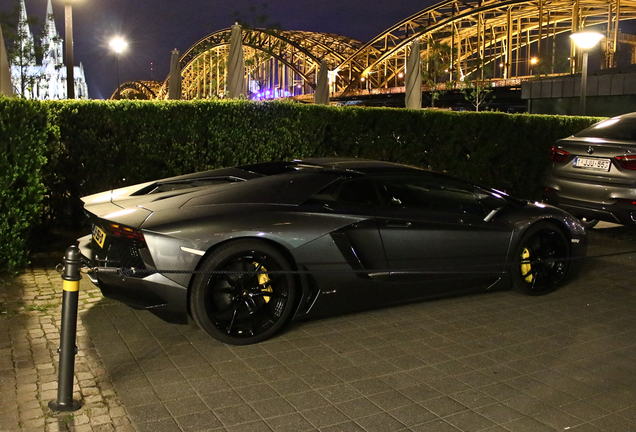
245, 250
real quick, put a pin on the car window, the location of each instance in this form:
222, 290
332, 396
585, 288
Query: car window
355, 191
616, 129
437, 194
186, 184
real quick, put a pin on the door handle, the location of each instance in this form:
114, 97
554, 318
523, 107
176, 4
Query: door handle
396, 224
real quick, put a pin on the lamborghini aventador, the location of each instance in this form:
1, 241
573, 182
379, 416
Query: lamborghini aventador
245, 250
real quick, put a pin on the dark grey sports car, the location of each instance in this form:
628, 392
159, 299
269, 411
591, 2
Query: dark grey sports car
245, 250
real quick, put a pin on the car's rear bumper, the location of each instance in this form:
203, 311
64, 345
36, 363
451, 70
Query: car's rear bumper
153, 292
616, 212
592, 199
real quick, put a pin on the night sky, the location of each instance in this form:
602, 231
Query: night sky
154, 27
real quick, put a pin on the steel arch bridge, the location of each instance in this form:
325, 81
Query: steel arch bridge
506, 35
284, 61
147, 90
496, 39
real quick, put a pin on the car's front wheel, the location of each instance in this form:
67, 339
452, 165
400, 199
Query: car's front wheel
541, 260
244, 292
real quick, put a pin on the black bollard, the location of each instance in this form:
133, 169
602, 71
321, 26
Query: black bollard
68, 350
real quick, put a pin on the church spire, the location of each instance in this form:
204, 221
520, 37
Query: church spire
46, 80
51, 41
25, 36
50, 32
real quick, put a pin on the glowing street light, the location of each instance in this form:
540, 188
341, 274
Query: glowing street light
585, 41
533, 61
118, 45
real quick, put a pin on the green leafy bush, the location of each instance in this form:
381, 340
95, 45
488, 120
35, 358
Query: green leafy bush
92, 146
24, 133
105, 144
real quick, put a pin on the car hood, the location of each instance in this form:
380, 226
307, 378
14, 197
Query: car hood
123, 206
176, 189
134, 204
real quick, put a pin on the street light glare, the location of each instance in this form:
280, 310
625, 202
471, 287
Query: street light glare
586, 40
118, 45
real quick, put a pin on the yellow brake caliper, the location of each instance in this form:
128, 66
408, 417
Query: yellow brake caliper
526, 267
263, 279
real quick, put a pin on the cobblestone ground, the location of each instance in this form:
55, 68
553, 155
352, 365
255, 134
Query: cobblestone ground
491, 363
30, 320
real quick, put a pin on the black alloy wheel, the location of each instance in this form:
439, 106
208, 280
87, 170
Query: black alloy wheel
248, 294
541, 262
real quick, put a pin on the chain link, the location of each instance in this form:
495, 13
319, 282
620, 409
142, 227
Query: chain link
132, 271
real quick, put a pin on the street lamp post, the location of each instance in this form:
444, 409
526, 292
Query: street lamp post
118, 45
533, 61
68, 49
585, 41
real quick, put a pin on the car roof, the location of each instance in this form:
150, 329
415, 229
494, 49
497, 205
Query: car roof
344, 165
366, 166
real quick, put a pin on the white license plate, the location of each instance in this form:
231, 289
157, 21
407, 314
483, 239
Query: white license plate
592, 163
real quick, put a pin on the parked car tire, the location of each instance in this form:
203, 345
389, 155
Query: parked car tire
240, 305
541, 259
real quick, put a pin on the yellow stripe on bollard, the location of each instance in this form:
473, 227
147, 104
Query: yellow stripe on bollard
71, 286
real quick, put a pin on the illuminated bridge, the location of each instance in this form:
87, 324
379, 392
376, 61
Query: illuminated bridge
469, 39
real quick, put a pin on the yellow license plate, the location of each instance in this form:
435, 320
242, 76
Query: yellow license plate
99, 236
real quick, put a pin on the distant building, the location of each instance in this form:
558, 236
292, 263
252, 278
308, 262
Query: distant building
48, 80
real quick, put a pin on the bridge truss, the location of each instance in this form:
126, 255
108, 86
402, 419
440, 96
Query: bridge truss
473, 39
283, 62
487, 35
138, 90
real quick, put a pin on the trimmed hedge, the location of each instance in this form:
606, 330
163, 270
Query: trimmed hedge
92, 146
24, 133
504, 151
112, 144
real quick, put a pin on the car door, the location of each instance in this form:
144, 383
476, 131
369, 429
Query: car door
439, 236
359, 240
349, 261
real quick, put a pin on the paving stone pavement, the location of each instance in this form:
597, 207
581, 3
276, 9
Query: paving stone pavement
30, 320
492, 362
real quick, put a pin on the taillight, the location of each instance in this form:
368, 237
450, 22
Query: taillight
559, 156
626, 162
121, 231
629, 202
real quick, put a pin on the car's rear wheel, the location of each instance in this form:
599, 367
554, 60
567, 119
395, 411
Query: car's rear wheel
541, 260
244, 293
